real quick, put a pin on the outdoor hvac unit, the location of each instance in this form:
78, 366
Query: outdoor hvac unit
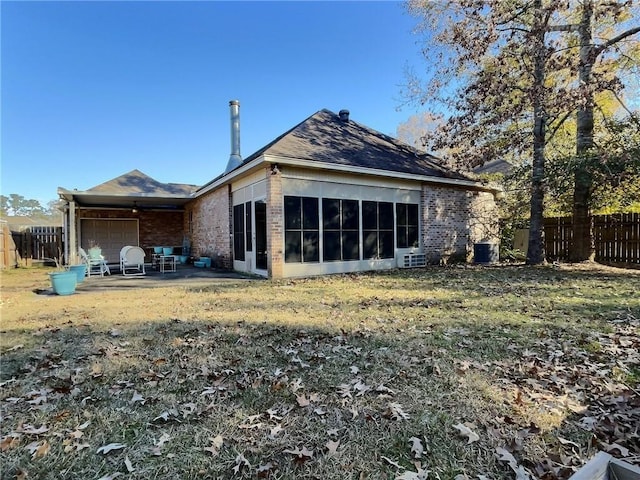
412, 260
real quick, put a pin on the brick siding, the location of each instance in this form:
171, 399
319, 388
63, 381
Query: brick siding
154, 228
275, 225
207, 222
454, 219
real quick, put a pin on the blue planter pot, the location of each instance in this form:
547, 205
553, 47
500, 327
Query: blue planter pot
167, 250
80, 271
63, 283
157, 250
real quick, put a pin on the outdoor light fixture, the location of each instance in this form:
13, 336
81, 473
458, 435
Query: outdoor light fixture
275, 169
135, 208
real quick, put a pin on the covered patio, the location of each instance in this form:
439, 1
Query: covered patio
186, 276
132, 209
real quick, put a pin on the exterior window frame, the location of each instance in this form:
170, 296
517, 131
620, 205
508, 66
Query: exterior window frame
301, 229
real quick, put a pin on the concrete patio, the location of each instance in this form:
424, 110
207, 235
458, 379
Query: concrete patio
184, 276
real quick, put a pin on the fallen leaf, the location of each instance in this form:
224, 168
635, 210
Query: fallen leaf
302, 400
128, 464
112, 446
21, 474
390, 462
164, 438
396, 412
416, 447
505, 456
41, 450
467, 432
419, 475
301, 455
137, 398
264, 471
31, 430
216, 445
275, 430
241, 463
10, 441
624, 452
332, 447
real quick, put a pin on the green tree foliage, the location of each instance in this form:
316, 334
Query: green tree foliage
514, 73
17, 205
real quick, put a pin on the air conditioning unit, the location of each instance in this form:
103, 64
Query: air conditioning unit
412, 260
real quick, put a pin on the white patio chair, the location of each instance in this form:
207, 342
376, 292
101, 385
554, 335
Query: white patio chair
123, 250
96, 265
132, 261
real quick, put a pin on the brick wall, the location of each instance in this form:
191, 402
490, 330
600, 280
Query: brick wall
454, 219
154, 228
207, 222
275, 225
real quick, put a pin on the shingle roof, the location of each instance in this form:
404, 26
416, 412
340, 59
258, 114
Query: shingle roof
136, 182
324, 137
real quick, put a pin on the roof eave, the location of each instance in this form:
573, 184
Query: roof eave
380, 173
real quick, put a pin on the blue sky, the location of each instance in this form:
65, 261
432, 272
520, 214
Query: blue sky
92, 90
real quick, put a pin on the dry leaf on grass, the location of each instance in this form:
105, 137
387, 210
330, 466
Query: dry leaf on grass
40, 449
396, 412
10, 441
241, 463
416, 447
110, 447
302, 455
332, 447
467, 432
391, 462
216, 445
128, 464
419, 475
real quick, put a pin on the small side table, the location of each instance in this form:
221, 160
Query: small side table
167, 263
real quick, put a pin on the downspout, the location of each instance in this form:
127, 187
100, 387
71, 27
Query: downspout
72, 240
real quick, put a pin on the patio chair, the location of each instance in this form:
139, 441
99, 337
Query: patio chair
132, 260
96, 265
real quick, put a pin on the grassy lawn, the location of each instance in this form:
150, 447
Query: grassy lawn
457, 372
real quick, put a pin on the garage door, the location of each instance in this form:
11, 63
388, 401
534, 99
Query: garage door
110, 235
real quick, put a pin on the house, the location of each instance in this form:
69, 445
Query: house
328, 196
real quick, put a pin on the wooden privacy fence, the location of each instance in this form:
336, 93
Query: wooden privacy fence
38, 243
617, 237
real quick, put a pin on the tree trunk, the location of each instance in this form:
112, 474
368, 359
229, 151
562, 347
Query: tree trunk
535, 250
583, 248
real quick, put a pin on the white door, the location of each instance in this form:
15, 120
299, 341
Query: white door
110, 235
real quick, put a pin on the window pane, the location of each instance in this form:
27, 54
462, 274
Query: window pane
370, 244
369, 215
401, 214
412, 237
350, 248
386, 244
238, 232
310, 213
385, 211
331, 213
350, 214
292, 213
238, 248
293, 247
412, 214
402, 237
331, 246
249, 239
311, 250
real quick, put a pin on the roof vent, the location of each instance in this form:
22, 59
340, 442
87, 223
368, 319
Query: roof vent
235, 160
344, 115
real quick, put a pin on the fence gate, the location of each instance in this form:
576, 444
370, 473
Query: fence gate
39, 243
